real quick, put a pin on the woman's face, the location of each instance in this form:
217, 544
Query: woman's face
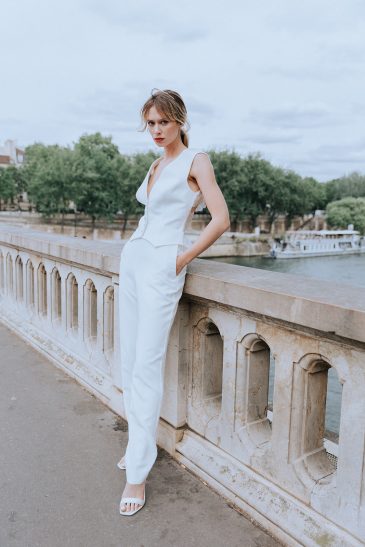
163, 130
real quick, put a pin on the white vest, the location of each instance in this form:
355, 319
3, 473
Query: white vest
171, 202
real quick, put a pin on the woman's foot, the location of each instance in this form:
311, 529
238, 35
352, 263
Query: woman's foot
135, 491
121, 463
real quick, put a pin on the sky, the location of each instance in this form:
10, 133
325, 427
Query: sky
284, 78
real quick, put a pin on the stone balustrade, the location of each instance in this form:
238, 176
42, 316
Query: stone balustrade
237, 330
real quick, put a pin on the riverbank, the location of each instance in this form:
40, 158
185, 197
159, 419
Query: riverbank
230, 244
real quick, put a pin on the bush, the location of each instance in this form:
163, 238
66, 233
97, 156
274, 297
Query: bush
347, 211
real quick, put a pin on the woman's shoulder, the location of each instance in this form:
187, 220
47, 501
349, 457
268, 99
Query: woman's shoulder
196, 151
199, 156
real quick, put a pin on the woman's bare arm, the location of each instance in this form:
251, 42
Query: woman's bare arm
203, 172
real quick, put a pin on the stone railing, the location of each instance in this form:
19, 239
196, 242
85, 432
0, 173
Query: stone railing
237, 330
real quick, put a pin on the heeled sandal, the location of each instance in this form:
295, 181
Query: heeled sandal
121, 463
125, 500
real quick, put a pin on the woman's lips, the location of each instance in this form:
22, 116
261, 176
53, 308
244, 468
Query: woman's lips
159, 139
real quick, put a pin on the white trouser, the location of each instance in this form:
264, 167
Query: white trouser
149, 293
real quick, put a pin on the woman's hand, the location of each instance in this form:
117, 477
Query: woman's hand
181, 261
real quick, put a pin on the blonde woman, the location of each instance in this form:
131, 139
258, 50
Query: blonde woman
152, 273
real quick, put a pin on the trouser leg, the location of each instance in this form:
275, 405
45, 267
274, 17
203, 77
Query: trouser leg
128, 320
158, 296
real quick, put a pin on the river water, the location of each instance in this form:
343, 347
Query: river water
347, 270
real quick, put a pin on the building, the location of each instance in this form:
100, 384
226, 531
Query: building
11, 154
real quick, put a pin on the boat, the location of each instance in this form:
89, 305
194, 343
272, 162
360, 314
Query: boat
309, 243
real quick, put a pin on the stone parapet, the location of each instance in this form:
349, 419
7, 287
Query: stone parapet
237, 331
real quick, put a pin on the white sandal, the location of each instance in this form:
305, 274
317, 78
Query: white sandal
121, 463
140, 501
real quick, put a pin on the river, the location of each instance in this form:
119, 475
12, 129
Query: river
347, 270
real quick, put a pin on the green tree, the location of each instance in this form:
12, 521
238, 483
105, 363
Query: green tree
8, 184
131, 171
347, 211
228, 172
269, 189
96, 185
258, 185
253, 186
352, 185
48, 176
314, 195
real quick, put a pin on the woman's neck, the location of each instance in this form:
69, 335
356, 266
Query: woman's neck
173, 150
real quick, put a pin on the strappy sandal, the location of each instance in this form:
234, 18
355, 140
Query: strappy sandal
140, 501
121, 463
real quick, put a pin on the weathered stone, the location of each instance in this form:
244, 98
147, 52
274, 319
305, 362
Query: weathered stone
232, 325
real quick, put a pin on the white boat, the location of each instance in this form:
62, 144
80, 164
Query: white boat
302, 243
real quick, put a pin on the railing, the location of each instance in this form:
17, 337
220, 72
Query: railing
240, 335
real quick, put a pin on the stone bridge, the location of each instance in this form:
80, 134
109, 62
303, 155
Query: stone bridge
236, 331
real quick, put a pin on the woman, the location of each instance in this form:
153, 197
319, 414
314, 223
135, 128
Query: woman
152, 274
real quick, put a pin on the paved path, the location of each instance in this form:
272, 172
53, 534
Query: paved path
59, 484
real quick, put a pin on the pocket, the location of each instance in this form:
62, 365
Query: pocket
122, 252
179, 249
174, 252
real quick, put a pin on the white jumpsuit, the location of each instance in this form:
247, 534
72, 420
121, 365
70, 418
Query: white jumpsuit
149, 293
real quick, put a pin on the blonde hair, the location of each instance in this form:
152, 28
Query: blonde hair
171, 105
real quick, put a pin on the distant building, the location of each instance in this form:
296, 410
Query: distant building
11, 154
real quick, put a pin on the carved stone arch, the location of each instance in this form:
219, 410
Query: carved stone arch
206, 379
2, 272
313, 361
56, 294
252, 391
29, 283
9, 274
72, 302
90, 311
307, 422
252, 338
42, 289
108, 319
209, 340
19, 290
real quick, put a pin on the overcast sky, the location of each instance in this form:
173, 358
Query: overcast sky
282, 77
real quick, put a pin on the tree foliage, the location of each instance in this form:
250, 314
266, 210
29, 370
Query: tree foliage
94, 176
102, 183
347, 211
12, 183
48, 176
253, 186
352, 185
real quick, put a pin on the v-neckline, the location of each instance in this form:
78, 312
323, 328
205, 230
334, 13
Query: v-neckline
158, 178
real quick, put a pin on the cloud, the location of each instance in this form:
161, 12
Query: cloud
200, 112
283, 77
119, 109
116, 109
305, 72
271, 138
295, 116
315, 18
353, 153
325, 162
158, 20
